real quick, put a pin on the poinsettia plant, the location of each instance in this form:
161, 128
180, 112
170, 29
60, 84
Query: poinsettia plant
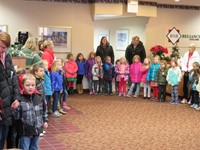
159, 50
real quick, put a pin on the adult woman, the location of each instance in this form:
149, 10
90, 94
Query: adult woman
9, 90
189, 58
105, 49
48, 53
30, 51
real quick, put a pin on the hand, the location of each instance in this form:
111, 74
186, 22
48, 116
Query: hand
15, 104
45, 125
61, 91
163, 73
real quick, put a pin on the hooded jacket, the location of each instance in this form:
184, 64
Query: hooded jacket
125, 75
89, 65
161, 78
135, 72
47, 83
108, 71
174, 76
57, 81
48, 55
71, 69
152, 73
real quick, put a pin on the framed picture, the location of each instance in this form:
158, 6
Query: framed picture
60, 35
121, 39
3, 28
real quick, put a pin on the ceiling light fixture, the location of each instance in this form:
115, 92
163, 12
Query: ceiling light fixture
177, 0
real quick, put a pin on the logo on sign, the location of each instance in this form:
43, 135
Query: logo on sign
173, 35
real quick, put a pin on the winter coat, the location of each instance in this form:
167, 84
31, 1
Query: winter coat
194, 58
194, 80
9, 89
174, 76
96, 72
89, 65
47, 83
31, 57
135, 72
40, 86
125, 75
31, 114
105, 51
160, 78
48, 55
152, 72
108, 71
131, 52
71, 69
144, 72
57, 81
81, 67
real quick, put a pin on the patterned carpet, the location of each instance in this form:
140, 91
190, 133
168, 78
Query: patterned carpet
118, 123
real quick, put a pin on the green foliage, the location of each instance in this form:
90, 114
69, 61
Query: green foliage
14, 49
175, 52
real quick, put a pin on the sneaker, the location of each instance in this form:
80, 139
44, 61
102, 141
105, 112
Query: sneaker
198, 108
67, 108
177, 103
184, 101
144, 97
149, 97
111, 94
192, 106
44, 132
172, 103
189, 102
195, 106
124, 94
106, 94
55, 115
41, 134
135, 96
59, 114
91, 93
61, 111
120, 94
128, 95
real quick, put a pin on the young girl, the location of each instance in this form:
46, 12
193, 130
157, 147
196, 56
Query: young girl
117, 62
81, 63
122, 71
135, 74
151, 76
174, 77
71, 69
97, 72
108, 75
90, 62
161, 80
144, 71
56, 84
30, 115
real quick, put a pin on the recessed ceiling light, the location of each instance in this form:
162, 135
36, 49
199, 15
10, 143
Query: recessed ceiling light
177, 0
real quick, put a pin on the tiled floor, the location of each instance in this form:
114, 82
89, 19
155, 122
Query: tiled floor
58, 126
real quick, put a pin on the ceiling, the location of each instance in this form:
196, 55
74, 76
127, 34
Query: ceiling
181, 2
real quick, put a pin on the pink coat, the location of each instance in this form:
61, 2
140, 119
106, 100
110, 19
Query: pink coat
71, 69
144, 72
135, 72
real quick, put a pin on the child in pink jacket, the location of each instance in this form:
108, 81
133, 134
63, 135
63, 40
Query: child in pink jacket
135, 74
71, 69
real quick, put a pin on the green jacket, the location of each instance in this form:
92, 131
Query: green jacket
160, 78
31, 57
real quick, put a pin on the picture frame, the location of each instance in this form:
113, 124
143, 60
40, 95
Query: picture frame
3, 28
121, 39
60, 35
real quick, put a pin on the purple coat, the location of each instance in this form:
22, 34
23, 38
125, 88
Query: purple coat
89, 64
135, 72
119, 76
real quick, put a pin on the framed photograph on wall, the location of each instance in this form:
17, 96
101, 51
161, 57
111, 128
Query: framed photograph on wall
3, 28
121, 39
60, 35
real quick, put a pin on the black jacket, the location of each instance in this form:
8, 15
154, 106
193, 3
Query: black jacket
107, 51
131, 52
9, 90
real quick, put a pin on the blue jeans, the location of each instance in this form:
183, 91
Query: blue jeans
90, 84
3, 135
174, 94
29, 142
108, 84
56, 97
64, 95
48, 98
137, 92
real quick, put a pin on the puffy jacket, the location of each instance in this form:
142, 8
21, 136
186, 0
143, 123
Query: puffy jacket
174, 76
71, 69
135, 72
144, 72
9, 89
162, 78
105, 51
152, 72
48, 55
97, 71
31, 114
125, 75
40, 86
89, 65
47, 83
57, 81
81, 67
108, 71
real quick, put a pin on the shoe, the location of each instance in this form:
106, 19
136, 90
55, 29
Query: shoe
124, 94
198, 108
172, 103
128, 95
135, 96
55, 115
152, 97
61, 111
184, 101
189, 102
111, 94
192, 105
44, 132
59, 114
149, 97
91, 93
120, 94
65, 107
195, 106
41, 134
177, 103
144, 97
50, 112
106, 94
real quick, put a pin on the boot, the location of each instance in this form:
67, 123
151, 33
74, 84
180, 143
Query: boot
60, 110
65, 107
78, 87
81, 88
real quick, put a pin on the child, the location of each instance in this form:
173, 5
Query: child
117, 62
161, 80
97, 72
173, 78
135, 74
71, 69
30, 115
122, 71
108, 75
90, 62
151, 76
81, 63
144, 71
56, 84
194, 79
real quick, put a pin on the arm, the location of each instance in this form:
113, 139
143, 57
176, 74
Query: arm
157, 75
167, 78
127, 55
179, 75
143, 54
148, 74
66, 68
47, 58
75, 67
112, 55
53, 80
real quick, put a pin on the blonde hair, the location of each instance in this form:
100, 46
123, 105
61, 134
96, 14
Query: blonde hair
175, 61
46, 43
106, 58
148, 60
54, 67
5, 38
92, 53
136, 57
192, 45
36, 67
98, 57
123, 58
163, 62
31, 43
28, 77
